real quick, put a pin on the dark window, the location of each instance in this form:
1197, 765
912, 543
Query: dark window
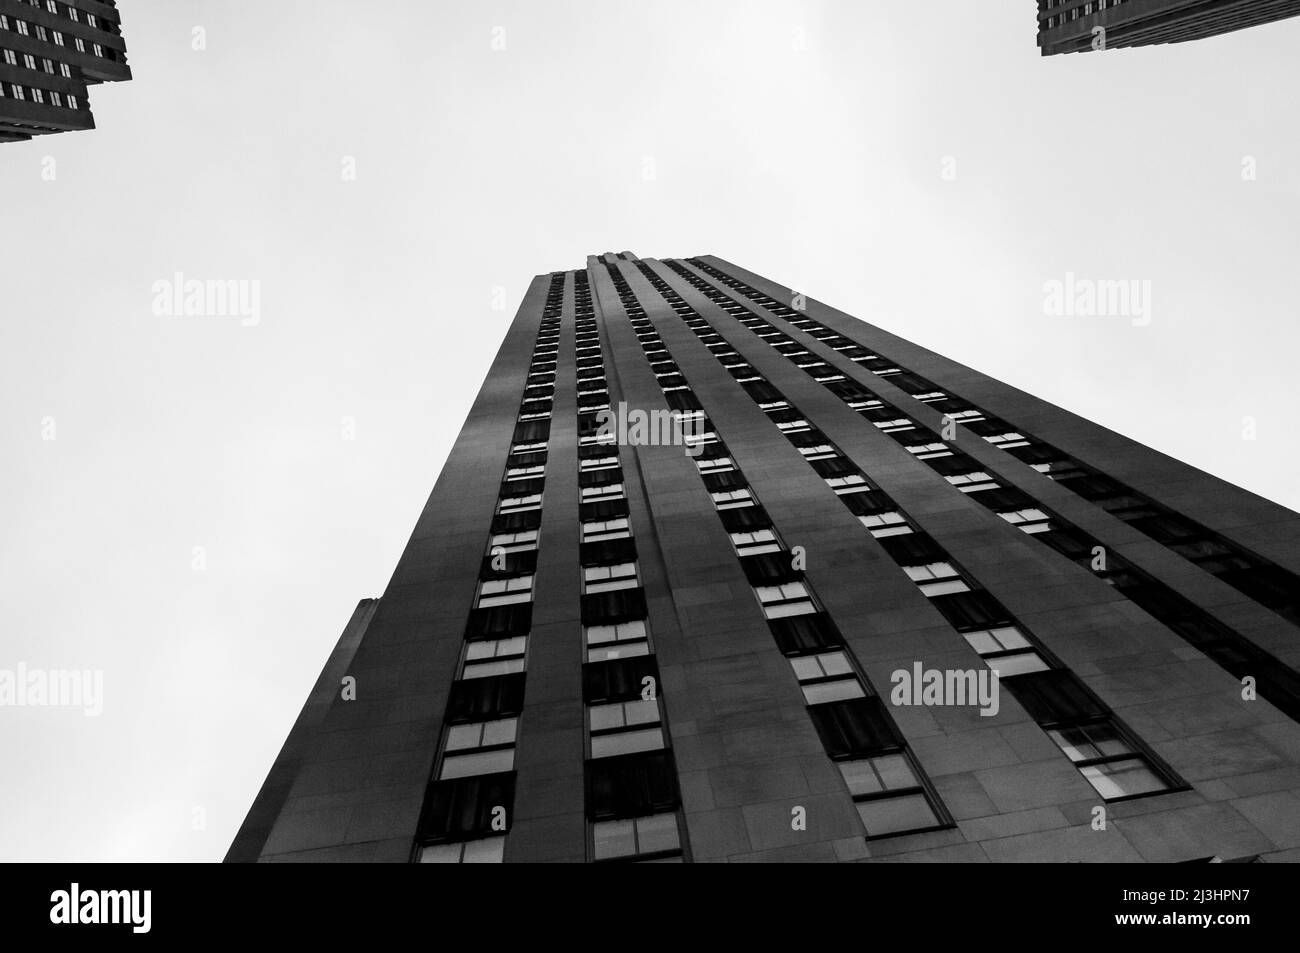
608, 552
745, 519
762, 392
631, 786
505, 565
855, 728
486, 699
516, 522
722, 482
834, 467
682, 400
499, 622
1055, 697
970, 610
600, 511
610, 608
532, 431
1002, 499
869, 503
618, 680
913, 549
463, 809
804, 633
769, 569
600, 477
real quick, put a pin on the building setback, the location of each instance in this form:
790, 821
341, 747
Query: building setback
770, 633
1068, 26
51, 51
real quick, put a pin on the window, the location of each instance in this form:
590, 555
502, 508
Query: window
789, 599
594, 532
936, 579
890, 523
887, 786
821, 451
794, 426
520, 504
755, 543
625, 728
850, 483
928, 451
1030, 521
525, 473
610, 491
528, 447
605, 578
693, 440
715, 465
483, 734
480, 748
637, 837
1113, 762
501, 592
1006, 651
494, 657
460, 811
1109, 762
592, 464
972, 482
1059, 469
827, 677
889, 796
522, 542
732, 499
622, 640
1007, 440
487, 850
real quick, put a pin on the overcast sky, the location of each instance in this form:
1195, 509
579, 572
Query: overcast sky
199, 527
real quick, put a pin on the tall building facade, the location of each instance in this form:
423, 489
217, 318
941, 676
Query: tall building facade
1068, 26
715, 572
51, 52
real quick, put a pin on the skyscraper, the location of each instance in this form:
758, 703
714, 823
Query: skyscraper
51, 51
1068, 26
857, 602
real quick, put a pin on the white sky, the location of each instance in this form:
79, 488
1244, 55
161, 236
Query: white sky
476, 169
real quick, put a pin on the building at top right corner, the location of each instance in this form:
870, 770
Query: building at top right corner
1070, 26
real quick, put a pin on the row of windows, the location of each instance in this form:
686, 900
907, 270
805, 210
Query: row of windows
890, 792
471, 797
1259, 579
28, 61
1006, 648
1085, 9
621, 730
23, 28
69, 12
36, 94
